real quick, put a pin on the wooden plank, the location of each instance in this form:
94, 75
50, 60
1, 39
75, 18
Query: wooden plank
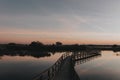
67, 71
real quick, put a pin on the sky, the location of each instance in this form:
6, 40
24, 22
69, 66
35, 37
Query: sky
68, 21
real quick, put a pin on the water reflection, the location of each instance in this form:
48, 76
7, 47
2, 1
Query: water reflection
27, 53
106, 67
117, 54
78, 62
24, 66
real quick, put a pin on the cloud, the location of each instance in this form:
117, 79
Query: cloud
77, 20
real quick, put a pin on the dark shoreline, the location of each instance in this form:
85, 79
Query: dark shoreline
55, 48
37, 49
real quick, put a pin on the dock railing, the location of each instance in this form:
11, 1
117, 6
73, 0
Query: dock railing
85, 54
50, 73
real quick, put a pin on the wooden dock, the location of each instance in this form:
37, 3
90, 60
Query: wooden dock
63, 69
67, 71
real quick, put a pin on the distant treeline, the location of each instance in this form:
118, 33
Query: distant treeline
58, 46
38, 46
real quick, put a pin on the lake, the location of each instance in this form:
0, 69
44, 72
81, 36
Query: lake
24, 67
104, 67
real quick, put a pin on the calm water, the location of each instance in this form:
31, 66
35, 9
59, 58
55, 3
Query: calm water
24, 67
104, 67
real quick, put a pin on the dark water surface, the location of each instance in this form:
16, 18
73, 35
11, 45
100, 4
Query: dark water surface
104, 67
24, 67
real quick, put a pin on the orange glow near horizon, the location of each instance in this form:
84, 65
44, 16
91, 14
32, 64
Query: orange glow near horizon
52, 41
49, 37
71, 23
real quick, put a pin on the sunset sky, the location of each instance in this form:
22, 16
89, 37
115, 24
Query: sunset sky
68, 21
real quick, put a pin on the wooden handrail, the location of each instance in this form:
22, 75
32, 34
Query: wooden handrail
49, 73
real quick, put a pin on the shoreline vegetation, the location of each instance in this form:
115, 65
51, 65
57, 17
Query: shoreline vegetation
38, 49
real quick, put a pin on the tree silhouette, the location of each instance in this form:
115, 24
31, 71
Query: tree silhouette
58, 43
36, 43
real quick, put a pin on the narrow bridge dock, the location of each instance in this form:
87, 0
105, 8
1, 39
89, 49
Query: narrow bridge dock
63, 69
67, 71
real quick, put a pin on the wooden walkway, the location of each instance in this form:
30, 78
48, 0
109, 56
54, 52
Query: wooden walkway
67, 71
63, 69
51, 72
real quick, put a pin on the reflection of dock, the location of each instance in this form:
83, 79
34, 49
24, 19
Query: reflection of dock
63, 69
85, 54
84, 60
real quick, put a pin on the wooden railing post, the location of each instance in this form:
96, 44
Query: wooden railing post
49, 76
51, 72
